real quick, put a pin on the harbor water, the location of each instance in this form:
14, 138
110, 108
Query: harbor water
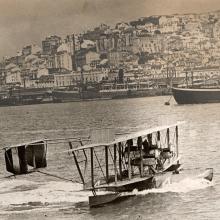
39, 196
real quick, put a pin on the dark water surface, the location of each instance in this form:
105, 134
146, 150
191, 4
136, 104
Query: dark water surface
37, 196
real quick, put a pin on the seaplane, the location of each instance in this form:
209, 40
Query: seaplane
111, 167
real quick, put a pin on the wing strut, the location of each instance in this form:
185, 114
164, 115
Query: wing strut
77, 164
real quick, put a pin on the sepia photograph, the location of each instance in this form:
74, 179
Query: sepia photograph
109, 109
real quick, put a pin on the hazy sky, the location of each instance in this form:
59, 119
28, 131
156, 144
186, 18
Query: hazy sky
28, 21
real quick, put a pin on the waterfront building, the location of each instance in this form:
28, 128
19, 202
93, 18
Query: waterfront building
28, 83
94, 76
45, 81
42, 72
65, 80
71, 79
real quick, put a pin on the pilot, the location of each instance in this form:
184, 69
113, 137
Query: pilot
146, 146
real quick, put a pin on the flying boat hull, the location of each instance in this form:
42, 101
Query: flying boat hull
156, 181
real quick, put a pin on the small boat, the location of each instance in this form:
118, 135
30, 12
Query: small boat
208, 174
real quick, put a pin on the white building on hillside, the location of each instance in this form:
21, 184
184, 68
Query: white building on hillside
63, 58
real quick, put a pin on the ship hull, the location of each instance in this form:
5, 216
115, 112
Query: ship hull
72, 96
65, 96
196, 96
123, 94
28, 96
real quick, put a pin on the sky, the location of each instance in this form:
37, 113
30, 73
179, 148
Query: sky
24, 22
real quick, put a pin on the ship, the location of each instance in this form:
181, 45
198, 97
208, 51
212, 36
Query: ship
82, 92
117, 89
24, 96
198, 92
107, 91
131, 90
196, 96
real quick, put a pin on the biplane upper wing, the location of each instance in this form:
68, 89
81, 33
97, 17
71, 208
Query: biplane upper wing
123, 138
145, 132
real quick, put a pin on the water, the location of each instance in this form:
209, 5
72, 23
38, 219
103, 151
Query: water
37, 196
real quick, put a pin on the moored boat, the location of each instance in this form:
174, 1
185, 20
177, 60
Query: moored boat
196, 95
65, 95
25, 96
198, 91
131, 90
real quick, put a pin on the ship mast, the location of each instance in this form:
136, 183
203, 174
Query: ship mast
81, 71
186, 79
